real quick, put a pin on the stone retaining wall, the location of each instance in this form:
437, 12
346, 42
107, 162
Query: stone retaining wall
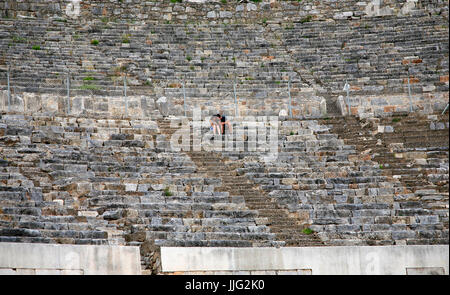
218, 11
145, 106
52, 259
385, 105
84, 106
383, 260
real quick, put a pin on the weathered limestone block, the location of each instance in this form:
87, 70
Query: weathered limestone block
225, 14
32, 102
376, 8
49, 103
163, 105
251, 7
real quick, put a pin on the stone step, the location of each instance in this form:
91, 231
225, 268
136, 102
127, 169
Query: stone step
296, 243
212, 243
256, 203
45, 240
270, 212
259, 206
295, 236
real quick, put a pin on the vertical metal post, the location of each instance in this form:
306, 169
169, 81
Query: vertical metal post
348, 101
184, 96
236, 114
410, 97
88, 139
290, 98
68, 92
125, 94
446, 108
347, 89
9, 91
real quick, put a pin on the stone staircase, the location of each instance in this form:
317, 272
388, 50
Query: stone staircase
212, 164
286, 228
330, 175
113, 182
337, 181
411, 148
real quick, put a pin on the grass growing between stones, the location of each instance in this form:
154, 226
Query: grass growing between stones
126, 38
89, 87
167, 192
307, 231
18, 39
306, 19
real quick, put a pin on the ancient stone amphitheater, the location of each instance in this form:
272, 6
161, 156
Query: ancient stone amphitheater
92, 92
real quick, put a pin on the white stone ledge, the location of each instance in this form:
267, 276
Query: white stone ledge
33, 258
340, 260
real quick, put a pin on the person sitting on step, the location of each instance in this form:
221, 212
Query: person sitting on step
224, 122
215, 125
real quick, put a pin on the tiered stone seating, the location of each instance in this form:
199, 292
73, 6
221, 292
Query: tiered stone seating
284, 231
92, 179
408, 147
158, 57
393, 51
347, 193
412, 150
95, 181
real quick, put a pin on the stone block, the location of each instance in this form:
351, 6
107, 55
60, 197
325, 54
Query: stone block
251, 7
88, 213
428, 88
112, 215
225, 14
130, 187
405, 234
388, 129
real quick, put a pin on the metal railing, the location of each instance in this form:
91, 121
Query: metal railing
69, 85
347, 89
